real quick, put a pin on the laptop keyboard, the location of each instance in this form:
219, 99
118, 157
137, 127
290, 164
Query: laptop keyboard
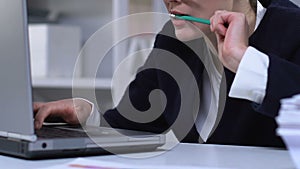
54, 132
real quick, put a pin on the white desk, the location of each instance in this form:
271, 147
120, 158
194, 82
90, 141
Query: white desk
185, 154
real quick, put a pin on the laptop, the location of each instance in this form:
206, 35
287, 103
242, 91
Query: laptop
17, 135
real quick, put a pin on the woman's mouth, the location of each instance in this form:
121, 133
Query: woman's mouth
178, 22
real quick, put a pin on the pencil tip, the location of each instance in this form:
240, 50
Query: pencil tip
172, 15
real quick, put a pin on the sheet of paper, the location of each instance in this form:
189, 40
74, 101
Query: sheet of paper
81, 163
289, 126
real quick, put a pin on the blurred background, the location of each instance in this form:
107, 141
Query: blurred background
57, 31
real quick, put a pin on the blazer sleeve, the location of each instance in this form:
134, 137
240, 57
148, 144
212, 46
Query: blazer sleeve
278, 37
139, 89
283, 82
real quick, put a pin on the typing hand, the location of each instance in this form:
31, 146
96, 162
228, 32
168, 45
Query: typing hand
232, 31
72, 111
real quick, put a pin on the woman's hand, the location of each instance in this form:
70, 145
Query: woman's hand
72, 111
232, 31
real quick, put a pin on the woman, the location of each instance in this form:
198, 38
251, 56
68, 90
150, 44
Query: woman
260, 45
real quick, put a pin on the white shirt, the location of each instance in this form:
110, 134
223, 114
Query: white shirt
250, 81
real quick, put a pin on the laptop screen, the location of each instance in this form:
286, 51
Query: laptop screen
15, 86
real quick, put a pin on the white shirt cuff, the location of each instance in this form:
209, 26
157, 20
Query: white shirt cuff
251, 78
94, 118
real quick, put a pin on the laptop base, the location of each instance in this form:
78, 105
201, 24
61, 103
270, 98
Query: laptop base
19, 149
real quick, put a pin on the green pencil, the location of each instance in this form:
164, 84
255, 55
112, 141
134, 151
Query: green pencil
190, 18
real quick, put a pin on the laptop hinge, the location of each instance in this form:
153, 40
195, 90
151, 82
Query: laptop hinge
31, 138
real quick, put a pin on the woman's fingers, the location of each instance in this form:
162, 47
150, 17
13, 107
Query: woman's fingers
232, 32
72, 111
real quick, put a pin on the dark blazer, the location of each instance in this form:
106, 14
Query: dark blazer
265, 3
243, 122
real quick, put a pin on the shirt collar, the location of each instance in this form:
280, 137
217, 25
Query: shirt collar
260, 13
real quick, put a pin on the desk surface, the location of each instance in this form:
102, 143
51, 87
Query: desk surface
185, 154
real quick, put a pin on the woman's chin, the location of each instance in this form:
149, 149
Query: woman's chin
187, 35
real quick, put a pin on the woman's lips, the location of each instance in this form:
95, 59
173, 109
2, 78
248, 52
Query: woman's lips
178, 12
